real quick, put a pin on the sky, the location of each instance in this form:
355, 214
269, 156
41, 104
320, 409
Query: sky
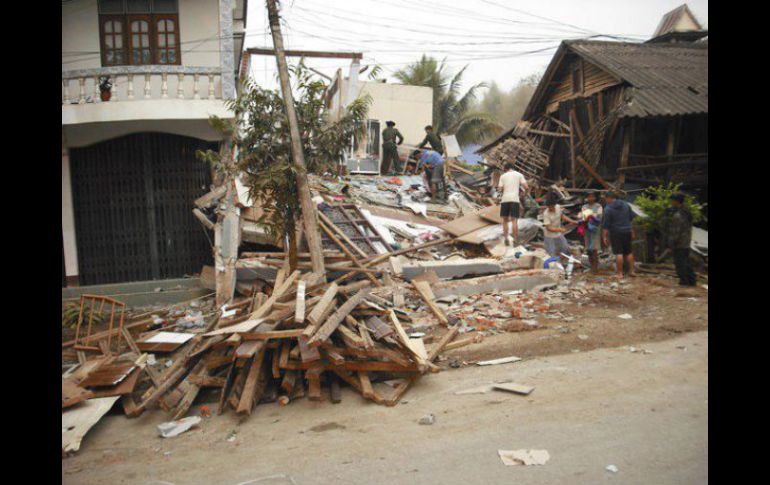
499, 40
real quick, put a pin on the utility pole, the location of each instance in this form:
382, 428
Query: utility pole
308, 208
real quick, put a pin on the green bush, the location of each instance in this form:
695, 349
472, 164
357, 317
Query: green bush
655, 202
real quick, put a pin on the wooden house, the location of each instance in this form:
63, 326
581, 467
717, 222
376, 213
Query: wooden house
612, 114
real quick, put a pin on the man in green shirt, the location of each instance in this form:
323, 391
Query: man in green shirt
390, 161
433, 139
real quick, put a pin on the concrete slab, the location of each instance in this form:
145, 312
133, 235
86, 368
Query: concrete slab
453, 269
517, 280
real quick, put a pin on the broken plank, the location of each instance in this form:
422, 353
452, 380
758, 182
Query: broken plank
250, 387
321, 310
425, 291
299, 315
366, 385
331, 323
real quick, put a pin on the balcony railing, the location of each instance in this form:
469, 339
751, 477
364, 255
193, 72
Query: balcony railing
130, 83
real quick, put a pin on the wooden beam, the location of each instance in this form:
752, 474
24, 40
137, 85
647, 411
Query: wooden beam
309, 218
425, 291
331, 324
261, 51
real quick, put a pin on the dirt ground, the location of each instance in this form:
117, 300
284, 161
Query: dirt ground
659, 308
596, 403
645, 413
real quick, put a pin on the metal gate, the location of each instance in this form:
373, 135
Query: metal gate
133, 199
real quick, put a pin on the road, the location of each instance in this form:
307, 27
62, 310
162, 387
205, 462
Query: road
646, 413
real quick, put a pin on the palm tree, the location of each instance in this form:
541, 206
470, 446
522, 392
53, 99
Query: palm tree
452, 110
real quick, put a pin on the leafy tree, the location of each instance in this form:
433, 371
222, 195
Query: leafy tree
260, 133
655, 202
453, 110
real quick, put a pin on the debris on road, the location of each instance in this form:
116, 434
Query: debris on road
175, 428
514, 388
503, 360
524, 457
427, 419
611, 468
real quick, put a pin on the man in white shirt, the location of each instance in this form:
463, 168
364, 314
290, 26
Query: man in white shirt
509, 185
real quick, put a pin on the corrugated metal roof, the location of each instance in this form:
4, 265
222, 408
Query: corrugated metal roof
666, 79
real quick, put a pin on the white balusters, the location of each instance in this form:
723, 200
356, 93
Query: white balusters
82, 97
114, 88
65, 99
211, 86
96, 96
147, 86
88, 89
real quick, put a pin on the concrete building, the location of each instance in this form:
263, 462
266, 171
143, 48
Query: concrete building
140, 79
410, 107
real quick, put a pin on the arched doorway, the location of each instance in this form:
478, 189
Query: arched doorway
133, 199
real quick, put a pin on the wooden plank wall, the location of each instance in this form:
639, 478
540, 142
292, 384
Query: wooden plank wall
594, 80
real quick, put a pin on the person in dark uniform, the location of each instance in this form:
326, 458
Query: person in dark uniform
433, 139
679, 235
390, 161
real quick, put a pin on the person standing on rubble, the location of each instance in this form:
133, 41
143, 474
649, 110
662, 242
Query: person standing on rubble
617, 227
510, 183
679, 235
433, 139
554, 241
390, 161
431, 163
591, 213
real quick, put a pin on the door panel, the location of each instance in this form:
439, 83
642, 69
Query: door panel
133, 199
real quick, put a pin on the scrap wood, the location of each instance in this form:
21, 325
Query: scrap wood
331, 323
425, 291
356, 264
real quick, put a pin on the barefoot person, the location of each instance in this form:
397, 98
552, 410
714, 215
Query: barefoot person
509, 184
616, 226
591, 213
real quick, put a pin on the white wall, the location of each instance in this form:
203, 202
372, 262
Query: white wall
411, 107
198, 29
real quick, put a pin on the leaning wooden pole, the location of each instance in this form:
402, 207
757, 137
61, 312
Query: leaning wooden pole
308, 210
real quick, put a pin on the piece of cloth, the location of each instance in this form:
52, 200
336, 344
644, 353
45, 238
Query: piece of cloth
552, 218
431, 159
390, 135
620, 243
684, 266
618, 216
390, 160
509, 209
593, 240
679, 233
555, 246
509, 183
434, 140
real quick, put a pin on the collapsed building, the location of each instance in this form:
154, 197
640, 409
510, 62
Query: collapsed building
618, 114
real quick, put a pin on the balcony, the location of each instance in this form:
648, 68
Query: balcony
172, 99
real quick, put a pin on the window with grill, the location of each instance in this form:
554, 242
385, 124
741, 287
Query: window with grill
139, 32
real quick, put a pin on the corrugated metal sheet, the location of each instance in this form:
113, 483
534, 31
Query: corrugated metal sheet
666, 79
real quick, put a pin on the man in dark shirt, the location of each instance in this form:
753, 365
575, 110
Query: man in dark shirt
617, 225
678, 237
433, 139
390, 161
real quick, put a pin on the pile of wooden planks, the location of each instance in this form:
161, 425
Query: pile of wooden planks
302, 340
